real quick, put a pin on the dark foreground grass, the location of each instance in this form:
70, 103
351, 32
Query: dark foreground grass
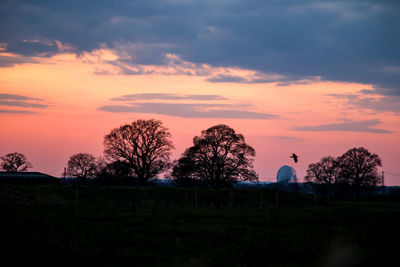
105, 226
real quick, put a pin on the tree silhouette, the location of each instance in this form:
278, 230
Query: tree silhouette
325, 171
114, 172
117, 169
15, 162
218, 157
358, 167
82, 165
355, 169
144, 144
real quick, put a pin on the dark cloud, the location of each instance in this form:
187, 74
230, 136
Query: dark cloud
363, 101
158, 96
34, 48
347, 126
296, 81
227, 78
9, 61
286, 138
240, 79
16, 103
10, 111
132, 103
186, 110
368, 92
353, 41
17, 97
20, 101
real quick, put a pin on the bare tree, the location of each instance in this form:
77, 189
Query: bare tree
82, 165
218, 157
144, 144
15, 162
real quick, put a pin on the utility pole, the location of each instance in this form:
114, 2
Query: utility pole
383, 178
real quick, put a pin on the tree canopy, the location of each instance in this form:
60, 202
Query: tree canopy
145, 145
15, 162
325, 171
356, 168
218, 157
82, 165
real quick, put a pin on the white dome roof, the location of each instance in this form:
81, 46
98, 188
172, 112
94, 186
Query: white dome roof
286, 174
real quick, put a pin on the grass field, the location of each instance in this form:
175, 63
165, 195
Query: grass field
107, 226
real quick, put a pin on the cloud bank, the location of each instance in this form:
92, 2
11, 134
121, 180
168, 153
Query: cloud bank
152, 96
369, 100
179, 108
352, 41
20, 101
366, 126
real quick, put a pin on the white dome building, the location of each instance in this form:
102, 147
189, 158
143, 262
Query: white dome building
286, 174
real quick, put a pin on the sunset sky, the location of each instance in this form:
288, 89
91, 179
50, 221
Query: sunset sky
314, 78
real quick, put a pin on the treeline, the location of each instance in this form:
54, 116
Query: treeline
355, 170
219, 157
141, 150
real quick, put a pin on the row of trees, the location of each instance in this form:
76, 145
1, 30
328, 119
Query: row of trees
219, 157
142, 149
357, 168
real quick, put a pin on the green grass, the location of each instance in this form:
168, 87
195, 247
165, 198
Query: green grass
192, 227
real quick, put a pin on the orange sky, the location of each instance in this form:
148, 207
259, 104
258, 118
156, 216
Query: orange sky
73, 90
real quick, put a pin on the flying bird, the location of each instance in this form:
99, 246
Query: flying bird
294, 156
